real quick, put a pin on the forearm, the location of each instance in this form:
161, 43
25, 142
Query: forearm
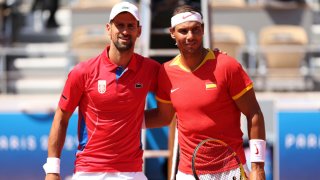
256, 128
155, 119
55, 144
249, 106
257, 171
256, 131
56, 139
58, 133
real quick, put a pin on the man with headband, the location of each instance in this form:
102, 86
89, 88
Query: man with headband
109, 91
208, 91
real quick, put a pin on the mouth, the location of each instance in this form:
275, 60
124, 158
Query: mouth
124, 38
190, 45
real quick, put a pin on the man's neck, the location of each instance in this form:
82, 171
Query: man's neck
192, 60
120, 58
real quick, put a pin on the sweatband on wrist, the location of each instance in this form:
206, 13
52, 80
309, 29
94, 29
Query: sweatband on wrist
257, 150
184, 17
52, 165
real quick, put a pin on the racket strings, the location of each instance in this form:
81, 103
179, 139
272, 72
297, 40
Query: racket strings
213, 157
216, 158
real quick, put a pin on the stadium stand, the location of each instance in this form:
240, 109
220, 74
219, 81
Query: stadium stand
2, 12
283, 53
34, 68
228, 38
38, 75
85, 4
227, 3
35, 63
88, 40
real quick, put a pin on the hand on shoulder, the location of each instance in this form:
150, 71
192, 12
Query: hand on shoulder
218, 50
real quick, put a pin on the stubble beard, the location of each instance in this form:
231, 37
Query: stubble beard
123, 47
192, 50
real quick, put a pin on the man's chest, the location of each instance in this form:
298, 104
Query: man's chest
197, 91
107, 90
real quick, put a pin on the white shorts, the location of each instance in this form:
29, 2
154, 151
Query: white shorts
182, 176
109, 176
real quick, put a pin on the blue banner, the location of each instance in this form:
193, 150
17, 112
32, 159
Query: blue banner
24, 144
299, 145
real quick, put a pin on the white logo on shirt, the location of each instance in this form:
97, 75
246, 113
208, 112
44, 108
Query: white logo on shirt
102, 84
173, 90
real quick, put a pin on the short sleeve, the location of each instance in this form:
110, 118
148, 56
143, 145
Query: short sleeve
239, 81
164, 86
73, 90
154, 70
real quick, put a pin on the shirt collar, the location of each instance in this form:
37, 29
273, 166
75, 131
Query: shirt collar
133, 64
177, 60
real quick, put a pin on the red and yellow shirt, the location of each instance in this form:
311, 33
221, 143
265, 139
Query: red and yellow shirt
204, 102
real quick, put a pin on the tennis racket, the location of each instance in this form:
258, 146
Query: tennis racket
175, 156
215, 160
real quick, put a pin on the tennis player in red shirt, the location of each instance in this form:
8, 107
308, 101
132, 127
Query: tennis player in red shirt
208, 91
109, 91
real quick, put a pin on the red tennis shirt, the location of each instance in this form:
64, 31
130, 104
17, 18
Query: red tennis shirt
204, 102
111, 110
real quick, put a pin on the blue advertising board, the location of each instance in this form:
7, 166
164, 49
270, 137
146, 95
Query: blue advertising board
23, 145
298, 145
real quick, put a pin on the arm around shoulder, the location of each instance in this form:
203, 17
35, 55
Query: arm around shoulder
160, 116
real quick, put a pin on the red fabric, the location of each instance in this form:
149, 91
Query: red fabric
203, 100
110, 112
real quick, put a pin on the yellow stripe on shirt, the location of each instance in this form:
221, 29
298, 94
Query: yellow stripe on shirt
211, 85
243, 91
163, 101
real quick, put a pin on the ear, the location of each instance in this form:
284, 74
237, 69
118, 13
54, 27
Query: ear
139, 31
172, 33
108, 27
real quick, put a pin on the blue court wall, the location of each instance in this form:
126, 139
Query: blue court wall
23, 145
298, 145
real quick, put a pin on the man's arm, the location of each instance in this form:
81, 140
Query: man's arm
249, 106
160, 116
57, 137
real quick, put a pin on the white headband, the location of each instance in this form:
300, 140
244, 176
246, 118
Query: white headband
184, 17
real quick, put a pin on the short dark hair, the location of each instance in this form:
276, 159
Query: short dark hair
186, 8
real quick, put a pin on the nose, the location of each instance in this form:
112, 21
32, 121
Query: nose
127, 29
190, 35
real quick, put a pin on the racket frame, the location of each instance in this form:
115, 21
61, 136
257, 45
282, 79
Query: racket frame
234, 154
